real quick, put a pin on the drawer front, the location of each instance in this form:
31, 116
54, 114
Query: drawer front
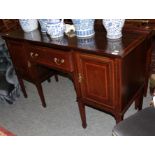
55, 58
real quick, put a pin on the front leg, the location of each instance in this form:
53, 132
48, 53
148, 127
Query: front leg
82, 114
118, 117
139, 101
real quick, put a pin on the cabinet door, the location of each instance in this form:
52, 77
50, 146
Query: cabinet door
96, 79
18, 54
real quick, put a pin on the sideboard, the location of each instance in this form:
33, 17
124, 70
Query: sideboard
108, 75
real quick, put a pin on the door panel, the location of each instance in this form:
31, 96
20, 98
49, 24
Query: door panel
97, 82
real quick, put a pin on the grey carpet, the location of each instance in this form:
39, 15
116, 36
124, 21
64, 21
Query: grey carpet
26, 117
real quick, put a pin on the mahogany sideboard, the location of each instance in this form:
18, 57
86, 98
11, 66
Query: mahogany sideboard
108, 75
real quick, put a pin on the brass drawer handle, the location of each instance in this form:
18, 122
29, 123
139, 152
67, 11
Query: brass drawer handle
80, 78
34, 54
59, 61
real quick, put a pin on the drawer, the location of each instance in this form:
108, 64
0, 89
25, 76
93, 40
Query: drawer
50, 57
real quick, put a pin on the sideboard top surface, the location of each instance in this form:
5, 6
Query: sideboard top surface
98, 44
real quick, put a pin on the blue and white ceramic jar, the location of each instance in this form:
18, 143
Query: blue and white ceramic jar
55, 28
28, 25
113, 27
84, 27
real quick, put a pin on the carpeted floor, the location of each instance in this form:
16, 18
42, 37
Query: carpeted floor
61, 117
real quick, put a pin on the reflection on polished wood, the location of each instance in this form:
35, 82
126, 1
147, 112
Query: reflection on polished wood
108, 75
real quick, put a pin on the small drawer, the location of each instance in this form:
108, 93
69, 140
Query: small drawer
52, 57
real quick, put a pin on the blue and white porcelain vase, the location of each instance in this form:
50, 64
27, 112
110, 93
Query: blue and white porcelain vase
84, 27
113, 27
55, 28
28, 25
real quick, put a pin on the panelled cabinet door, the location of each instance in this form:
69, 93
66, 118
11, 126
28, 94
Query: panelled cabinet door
18, 55
96, 79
